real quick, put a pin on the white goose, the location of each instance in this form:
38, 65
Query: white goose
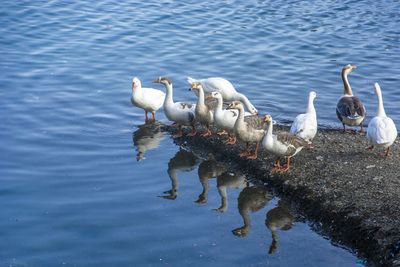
226, 89
305, 125
149, 99
225, 119
179, 112
249, 129
282, 145
349, 109
381, 131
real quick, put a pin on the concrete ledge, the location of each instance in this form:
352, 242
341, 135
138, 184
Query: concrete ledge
353, 194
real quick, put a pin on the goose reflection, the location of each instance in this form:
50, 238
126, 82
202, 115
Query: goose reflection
278, 218
183, 161
147, 137
250, 199
229, 180
208, 169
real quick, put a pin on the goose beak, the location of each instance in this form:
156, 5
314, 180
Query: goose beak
158, 80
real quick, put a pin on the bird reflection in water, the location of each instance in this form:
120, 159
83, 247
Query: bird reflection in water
183, 161
251, 199
278, 218
229, 180
147, 137
208, 169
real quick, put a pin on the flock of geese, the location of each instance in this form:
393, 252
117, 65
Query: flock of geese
219, 104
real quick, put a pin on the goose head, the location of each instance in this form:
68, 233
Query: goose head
195, 86
235, 105
216, 95
312, 95
163, 80
253, 111
136, 84
377, 89
348, 68
268, 118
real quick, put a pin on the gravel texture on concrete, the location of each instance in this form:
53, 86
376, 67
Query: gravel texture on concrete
353, 193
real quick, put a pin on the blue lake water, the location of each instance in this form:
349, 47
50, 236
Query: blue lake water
72, 192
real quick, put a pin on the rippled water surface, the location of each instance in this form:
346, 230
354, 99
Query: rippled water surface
72, 190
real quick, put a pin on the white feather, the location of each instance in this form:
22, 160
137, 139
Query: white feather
225, 88
381, 129
305, 125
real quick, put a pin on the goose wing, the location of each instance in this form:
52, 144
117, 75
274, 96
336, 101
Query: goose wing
291, 141
211, 103
255, 122
351, 107
218, 84
154, 93
382, 130
298, 124
185, 106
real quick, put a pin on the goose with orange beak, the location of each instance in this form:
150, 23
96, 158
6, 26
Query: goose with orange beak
283, 145
179, 112
148, 99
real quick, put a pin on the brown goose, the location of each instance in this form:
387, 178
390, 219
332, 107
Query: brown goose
204, 110
350, 110
282, 145
249, 129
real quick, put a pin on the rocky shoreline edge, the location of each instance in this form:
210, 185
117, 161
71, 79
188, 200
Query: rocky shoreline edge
353, 193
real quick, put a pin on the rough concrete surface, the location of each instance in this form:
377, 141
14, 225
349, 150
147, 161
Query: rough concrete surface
353, 193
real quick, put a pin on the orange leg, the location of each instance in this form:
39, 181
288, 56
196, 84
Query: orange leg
255, 154
193, 132
145, 114
287, 166
153, 114
223, 132
231, 140
246, 152
277, 166
179, 133
387, 154
206, 133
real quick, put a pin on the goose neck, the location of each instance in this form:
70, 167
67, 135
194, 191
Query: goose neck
169, 93
310, 105
219, 104
346, 85
381, 109
245, 101
240, 120
200, 100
